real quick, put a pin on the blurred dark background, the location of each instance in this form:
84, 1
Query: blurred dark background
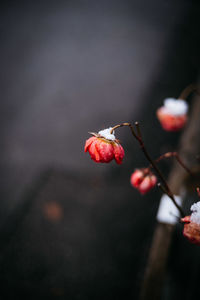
70, 228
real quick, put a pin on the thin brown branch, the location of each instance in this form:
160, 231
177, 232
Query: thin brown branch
138, 129
177, 157
152, 163
188, 90
125, 124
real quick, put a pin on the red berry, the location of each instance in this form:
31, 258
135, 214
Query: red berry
191, 230
142, 181
103, 150
171, 122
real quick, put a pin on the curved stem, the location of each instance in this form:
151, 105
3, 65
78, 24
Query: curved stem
166, 187
125, 124
177, 157
137, 125
182, 164
188, 90
153, 164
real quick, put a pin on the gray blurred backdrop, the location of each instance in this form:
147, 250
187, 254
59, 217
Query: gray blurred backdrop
70, 228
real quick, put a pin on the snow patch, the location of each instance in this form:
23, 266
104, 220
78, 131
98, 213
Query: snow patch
175, 106
167, 212
195, 216
106, 134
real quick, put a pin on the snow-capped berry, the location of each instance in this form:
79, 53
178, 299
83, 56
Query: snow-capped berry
103, 147
195, 216
191, 228
173, 114
143, 181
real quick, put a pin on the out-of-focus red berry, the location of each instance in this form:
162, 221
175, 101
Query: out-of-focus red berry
171, 122
103, 150
143, 181
191, 230
136, 178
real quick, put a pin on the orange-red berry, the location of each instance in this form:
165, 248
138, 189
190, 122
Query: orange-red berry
191, 230
143, 182
171, 122
173, 114
103, 150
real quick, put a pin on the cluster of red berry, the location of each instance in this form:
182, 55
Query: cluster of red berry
103, 147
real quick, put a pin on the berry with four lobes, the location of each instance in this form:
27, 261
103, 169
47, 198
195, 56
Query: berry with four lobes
104, 147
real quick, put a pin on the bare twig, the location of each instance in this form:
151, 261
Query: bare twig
152, 163
188, 90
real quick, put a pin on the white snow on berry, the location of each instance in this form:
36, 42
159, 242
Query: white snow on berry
175, 106
106, 134
195, 216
